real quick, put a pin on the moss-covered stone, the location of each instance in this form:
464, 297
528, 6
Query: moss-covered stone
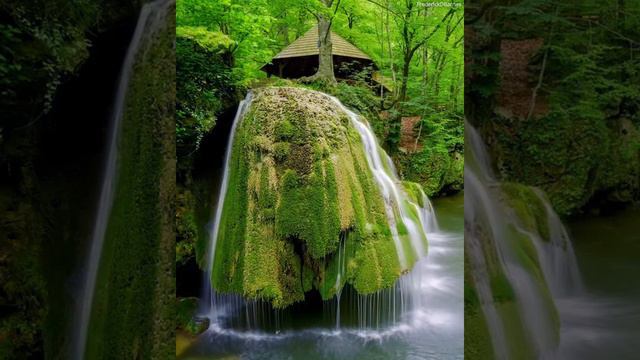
436, 169
477, 339
298, 183
580, 159
133, 317
528, 207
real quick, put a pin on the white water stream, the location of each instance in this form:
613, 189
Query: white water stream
485, 213
150, 19
396, 201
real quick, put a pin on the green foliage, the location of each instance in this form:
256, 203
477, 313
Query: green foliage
44, 43
186, 226
211, 41
243, 22
583, 151
204, 86
23, 292
258, 30
439, 165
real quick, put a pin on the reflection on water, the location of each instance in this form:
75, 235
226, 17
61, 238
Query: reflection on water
605, 322
433, 331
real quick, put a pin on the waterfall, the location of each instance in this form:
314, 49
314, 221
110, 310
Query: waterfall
150, 18
491, 226
396, 201
208, 295
372, 311
338, 284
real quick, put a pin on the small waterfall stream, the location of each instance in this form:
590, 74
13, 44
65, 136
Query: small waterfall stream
396, 201
150, 18
389, 307
491, 226
209, 303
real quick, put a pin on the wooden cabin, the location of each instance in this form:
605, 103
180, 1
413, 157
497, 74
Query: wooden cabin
300, 59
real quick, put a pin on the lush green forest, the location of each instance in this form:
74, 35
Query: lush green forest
222, 45
564, 116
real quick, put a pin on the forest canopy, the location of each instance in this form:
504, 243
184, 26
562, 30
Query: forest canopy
417, 46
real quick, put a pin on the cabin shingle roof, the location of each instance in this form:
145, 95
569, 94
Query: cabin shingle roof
307, 45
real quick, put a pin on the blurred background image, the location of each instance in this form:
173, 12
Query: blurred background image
86, 179
553, 179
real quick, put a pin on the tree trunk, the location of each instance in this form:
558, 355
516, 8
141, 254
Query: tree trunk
391, 61
402, 96
425, 69
325, 48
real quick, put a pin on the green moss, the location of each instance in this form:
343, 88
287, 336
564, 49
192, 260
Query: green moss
501, 288
575, 154
477, 339
185, 310
281, 151
133, 317
298, 180
414, 191
529, 208
186, 226
527, 256
435, 168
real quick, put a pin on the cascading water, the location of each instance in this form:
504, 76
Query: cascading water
397, 202
421, 314
210, 306
373, 311
492, 226
341, 268
150, 19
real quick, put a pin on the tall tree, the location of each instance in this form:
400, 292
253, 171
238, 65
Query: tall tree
416, 27
324, 11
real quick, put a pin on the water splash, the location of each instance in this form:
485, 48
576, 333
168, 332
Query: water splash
151, 17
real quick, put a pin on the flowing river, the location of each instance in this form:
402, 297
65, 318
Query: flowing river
605, 321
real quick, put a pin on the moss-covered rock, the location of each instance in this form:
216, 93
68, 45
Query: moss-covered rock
528, 208
299, 183
526, 224
477, 339
437, 170
133, 317
580, 161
